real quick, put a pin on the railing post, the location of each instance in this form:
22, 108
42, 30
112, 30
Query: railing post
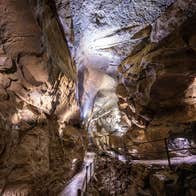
115, 184
110, 181
108, 184
79, 192
93, 166
90, 171
124, 148
110, 145
167, 151
86, 177
105, 142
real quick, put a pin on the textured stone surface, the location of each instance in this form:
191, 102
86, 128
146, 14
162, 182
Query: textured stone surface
129, 64
152, 44
163, 85
33, 89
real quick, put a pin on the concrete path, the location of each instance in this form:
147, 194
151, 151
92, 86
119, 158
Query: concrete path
78, 180
174, 160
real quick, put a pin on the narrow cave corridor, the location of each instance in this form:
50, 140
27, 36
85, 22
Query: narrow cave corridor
97, 97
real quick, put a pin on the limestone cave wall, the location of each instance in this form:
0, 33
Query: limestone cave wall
124, 68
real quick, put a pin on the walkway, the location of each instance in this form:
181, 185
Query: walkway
78, 181
174, 160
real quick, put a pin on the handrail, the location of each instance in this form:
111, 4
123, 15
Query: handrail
89, 169
152, 141
127, 154
167, 150
158, 152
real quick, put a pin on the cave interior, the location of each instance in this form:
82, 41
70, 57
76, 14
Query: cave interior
97, 97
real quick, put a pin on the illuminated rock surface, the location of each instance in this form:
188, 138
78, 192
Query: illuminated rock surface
122, 70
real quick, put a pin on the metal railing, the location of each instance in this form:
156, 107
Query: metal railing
89, 171
166, 150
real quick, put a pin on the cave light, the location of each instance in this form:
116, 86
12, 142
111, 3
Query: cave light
42, 101
95, 52
74, 161
20, 115
65, 117
191, 93
94, 49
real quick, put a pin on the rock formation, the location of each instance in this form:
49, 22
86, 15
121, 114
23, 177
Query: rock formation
121, 71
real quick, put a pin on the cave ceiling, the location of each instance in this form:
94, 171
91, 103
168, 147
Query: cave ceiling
127, 55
